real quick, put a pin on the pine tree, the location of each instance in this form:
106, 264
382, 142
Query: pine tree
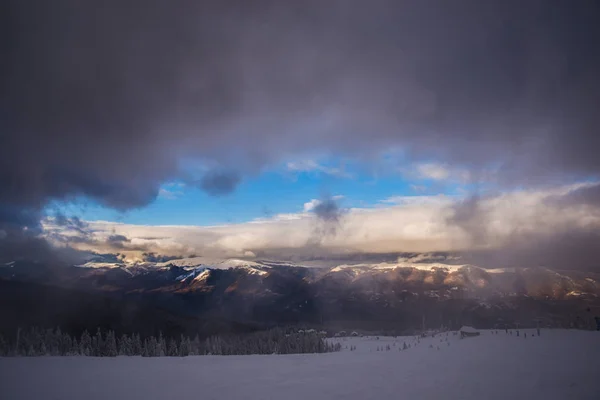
74, 348
98, 344
85, 344
197, 347
53, 338
124, 346
151, 347
66, 344
161, 348
145, 348
18, 338
110, 345
136, 345
4, 351
184, 346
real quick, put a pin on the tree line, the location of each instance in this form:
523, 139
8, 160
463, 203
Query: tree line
53, 342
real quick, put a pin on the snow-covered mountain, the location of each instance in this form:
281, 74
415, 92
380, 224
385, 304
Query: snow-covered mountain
398, 294
436, 278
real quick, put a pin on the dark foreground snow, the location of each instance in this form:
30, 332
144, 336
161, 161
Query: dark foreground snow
558, 365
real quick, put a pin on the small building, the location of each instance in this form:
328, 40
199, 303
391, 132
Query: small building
468, 331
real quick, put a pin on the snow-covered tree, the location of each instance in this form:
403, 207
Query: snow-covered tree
85, 344
136, 344
161, 349
98, 344
172, 350
185, 346
124, 346
110, 345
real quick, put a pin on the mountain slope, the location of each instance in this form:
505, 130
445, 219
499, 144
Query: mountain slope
401, 296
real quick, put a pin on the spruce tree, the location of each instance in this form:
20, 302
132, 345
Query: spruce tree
98, 344
4, 351
124, 346
135, 344
110, 345
184, 346
161, 348
74, 348
197, 347
172, 350
85, 344
151, 347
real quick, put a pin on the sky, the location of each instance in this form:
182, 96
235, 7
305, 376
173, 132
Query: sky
283, 189
379, 126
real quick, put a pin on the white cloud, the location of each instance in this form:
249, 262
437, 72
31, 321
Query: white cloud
169, 194
433, 200
418, 188
433, 171
403, 223
313, 166
438, 172
310, 205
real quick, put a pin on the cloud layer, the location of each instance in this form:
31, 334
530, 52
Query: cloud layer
518, 228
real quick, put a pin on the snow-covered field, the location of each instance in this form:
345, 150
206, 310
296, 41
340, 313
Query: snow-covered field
559, 364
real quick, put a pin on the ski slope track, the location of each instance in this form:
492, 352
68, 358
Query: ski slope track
559, 364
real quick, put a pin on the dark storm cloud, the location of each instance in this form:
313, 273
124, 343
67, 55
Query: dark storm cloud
329, 218
328, 210
103, 99
117, 241
219, 183
153, 257
561, 247
71, 223
586, 195
469, 216
566, 249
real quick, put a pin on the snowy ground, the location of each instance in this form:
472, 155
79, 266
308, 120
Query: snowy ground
559, 364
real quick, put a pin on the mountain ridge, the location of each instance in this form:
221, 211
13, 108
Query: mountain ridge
405, 296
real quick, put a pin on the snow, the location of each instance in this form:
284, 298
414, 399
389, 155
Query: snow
94, 264
203, 275
215, 263
386, 266
191, 273
192, 266
559, 364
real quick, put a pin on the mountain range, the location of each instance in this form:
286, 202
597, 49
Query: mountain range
219, 295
